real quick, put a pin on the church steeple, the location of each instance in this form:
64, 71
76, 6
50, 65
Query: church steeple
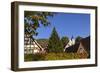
71, 42
72, 38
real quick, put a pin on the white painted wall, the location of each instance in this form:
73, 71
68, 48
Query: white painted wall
70, 43
5, 28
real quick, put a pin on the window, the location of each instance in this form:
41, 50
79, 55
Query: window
81, 50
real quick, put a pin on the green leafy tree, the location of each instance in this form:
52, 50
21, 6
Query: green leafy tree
34, 20
78, 38
55, 44
64, 41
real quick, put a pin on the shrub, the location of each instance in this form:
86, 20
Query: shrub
37, 57
51, 56
61, 56
28, 57
33, 57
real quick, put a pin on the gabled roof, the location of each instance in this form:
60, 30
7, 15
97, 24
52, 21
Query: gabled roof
43, 42
28, 39
86, 43
72, 49
70, 43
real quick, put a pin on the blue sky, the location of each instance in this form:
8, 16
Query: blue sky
67, 24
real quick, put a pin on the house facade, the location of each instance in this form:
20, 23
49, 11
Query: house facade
82, 48
31, 46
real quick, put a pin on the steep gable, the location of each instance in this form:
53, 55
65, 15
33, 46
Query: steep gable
43, 42
72, 49
86, 43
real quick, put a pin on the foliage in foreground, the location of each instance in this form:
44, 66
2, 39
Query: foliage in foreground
34, 57
51, 56
34, 20
61, 56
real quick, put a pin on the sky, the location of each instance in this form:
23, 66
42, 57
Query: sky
66, 24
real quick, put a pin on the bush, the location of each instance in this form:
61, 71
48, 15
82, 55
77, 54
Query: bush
51, 56
37, 57
33, 57
28, 57
61, 56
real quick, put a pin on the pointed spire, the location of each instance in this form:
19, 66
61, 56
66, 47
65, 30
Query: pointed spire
72, 38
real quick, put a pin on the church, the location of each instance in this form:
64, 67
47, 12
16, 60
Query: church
70, 43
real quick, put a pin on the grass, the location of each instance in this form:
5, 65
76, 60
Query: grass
50, 56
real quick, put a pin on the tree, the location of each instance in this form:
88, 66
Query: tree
33, 20
78, 38
64, 41
55, 44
